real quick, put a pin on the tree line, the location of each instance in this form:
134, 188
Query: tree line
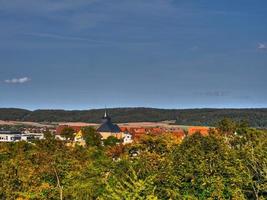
203, 117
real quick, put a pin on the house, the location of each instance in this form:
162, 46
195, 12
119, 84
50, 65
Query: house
128, 138
78, 136
27, 136
107, 128
10, 136
15, 136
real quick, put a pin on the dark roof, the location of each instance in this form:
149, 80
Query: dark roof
108, 126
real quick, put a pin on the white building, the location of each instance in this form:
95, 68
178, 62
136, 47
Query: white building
10, 136
14, 136
128, 138
32, 136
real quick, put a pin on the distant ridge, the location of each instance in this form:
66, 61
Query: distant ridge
257, 117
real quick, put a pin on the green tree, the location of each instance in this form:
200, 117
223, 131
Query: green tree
129, 186
226, 126
251, 148
91, 136
87, 181
68, 133
111, 141
49, 136
155, 160
207, 168
242, 127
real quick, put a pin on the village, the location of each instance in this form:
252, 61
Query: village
125, 132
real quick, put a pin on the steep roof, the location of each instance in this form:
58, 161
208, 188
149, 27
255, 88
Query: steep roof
108, 126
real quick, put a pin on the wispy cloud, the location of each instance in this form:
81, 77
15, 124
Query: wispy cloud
60, 37
214, 93
17, 80
262, 46
84, 39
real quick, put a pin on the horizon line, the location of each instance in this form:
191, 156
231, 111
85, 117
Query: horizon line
133, 107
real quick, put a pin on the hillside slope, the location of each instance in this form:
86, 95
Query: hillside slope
256, 117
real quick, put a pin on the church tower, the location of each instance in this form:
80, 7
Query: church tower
107, 126
106, 117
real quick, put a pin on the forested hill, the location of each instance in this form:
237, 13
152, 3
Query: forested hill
256, 117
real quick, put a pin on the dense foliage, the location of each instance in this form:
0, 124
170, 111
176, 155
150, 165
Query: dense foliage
230, 163
255, 117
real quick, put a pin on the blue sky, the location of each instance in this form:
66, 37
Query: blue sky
86, 54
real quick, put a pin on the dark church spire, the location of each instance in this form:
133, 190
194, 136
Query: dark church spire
106, 114
106, 117
107, 125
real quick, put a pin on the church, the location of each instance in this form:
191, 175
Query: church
107, 128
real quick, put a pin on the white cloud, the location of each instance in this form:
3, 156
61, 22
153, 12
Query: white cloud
262, 46
17, 80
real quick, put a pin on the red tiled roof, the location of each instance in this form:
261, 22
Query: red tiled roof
201, 130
